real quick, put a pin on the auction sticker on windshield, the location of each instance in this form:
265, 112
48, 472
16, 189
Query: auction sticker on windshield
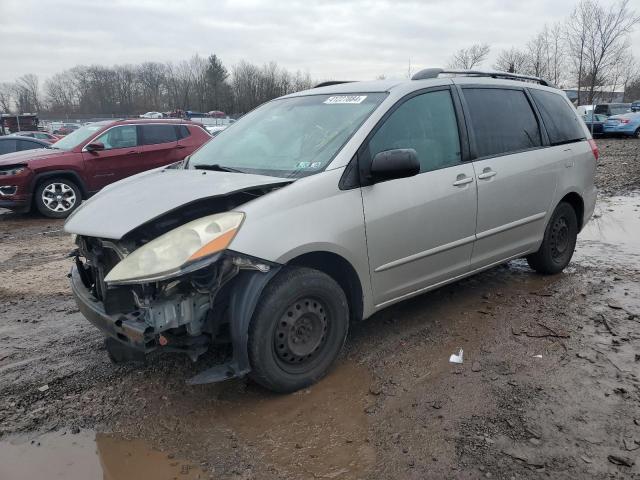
341, 99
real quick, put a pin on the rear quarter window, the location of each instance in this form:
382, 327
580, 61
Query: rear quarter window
182, 131
502, 121
27, 145
154, 134
562, 124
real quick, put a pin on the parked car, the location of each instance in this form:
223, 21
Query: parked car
635, 106
325, 206
627, 124
609, 109
47, 137
584, 109
215, 129
56, 179
595, 122
66, 129
152, 115
14, 143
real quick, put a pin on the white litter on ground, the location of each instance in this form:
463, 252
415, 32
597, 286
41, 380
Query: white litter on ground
456, 357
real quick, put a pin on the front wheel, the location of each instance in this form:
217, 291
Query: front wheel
559, 242
298, 329
57, 197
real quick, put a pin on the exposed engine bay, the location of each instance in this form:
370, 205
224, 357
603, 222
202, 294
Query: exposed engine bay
188, 313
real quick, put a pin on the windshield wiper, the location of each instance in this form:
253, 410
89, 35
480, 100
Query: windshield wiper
216, 167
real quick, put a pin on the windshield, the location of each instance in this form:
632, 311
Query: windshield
291, 137
78, 136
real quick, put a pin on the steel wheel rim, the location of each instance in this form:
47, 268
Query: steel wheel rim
301, 332
58, 197
559, 238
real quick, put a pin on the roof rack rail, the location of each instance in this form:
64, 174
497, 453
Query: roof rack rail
332, 82
435, 72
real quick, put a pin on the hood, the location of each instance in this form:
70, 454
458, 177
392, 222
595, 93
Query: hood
27, 156
125, 205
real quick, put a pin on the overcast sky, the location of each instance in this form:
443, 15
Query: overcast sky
355, 40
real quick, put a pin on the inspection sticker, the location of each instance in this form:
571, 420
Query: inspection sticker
341, 99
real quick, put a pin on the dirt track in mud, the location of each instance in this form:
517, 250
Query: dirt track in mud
549, 386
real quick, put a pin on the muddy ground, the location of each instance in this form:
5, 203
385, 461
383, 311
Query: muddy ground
549, 387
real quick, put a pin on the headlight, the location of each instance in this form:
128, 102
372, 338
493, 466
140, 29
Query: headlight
179, 251
12, 171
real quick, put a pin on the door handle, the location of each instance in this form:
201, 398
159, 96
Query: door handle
132, 151
181, 146
487, 173
462, 180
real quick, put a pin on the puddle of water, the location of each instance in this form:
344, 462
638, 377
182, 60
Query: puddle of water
616, 221
321, 430
87, 456
613, 231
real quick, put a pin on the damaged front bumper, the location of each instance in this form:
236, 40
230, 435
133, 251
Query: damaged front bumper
180, 314
128, 329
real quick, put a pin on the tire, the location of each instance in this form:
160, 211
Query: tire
636, 134
558, 243
298, 329
57, 197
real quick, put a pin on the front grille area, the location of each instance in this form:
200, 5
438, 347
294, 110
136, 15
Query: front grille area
101, 256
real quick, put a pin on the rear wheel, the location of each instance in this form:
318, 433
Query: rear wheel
297, 330
57, 197
636, 134
559, 242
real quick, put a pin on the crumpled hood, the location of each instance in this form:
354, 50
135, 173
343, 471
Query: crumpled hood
123, 206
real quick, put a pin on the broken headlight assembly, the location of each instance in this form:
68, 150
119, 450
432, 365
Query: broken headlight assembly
182, 250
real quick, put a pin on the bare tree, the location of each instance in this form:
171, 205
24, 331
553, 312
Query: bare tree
597, 37
27, 90
6, 97
555, 53
468, 58
152, 80
609, 40
578, 35
624, 73
62, 92
512, 61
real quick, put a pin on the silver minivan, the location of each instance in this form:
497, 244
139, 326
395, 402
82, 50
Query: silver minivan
320, 208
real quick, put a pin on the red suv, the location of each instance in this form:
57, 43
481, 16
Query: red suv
57, 178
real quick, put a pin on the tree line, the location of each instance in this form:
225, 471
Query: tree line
588, 51
199, 84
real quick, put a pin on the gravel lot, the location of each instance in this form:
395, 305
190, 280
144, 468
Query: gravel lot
549, 386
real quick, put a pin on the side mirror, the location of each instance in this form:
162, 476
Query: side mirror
94, 147
398, 163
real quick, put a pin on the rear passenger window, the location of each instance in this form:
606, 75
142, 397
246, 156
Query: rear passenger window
562, 124
502, 121
7, 146
27, 145
426, 123
154, 134
183, 131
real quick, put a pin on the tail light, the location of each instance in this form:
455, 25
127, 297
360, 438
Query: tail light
594, 148
624, 120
